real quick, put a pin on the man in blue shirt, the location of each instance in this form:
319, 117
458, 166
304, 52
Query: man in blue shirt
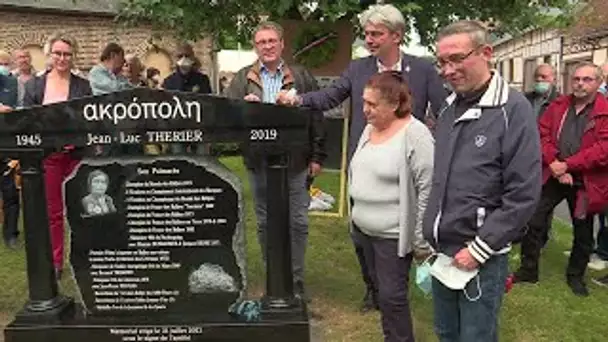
261, 82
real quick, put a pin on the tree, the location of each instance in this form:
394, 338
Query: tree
234, 19
592, 16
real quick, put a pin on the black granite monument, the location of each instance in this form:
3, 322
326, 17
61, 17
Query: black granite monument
156, 243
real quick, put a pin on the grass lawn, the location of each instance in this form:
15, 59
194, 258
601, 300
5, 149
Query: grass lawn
543, 312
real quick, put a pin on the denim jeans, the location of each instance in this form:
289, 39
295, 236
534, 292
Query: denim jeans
458, 319
299, 199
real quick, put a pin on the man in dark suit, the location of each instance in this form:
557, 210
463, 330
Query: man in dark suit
384, 27
8, 187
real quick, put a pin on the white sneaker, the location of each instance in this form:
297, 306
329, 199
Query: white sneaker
596, 263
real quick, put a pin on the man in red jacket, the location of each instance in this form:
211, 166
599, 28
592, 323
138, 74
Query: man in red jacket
574, 139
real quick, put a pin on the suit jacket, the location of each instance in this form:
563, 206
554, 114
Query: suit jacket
8, 91
34, 90
34, 94
422, 77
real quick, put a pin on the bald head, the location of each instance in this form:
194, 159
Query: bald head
545, 73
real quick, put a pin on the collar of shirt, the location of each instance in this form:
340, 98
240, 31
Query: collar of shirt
585, 110
264, 69
271, 83
396, 67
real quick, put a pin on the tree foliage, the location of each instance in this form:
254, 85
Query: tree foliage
232, 20
592, 16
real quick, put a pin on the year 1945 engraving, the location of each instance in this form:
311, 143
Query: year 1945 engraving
28, 139
263, 134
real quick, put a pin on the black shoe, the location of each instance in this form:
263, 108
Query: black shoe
603, 281
300, 292
578, 287
524, 277
370, 301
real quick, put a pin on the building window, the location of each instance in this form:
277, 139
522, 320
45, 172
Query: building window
511, 70
547, 59
529, 68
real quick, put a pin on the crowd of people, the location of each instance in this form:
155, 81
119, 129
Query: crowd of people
453, 182
22, 86
443, 183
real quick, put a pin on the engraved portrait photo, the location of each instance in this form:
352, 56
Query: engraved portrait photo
97, 202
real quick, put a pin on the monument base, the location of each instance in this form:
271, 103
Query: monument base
292, 329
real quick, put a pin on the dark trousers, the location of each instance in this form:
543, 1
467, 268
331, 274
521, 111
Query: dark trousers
10, 196
552, 194
391, 274
368, 277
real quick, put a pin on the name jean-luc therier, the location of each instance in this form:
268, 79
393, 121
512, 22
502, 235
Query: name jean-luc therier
166, 110
193, 136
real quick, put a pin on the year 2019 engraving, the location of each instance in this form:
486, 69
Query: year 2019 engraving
263, 134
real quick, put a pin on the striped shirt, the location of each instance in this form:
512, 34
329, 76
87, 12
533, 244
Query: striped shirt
395, 67
271, 83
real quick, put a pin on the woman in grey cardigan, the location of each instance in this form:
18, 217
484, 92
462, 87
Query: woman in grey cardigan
389, 183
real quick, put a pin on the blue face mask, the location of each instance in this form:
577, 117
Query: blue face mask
603, 89
424, 279
4, 71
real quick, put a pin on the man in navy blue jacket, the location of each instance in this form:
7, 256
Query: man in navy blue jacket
384, 28
486, 185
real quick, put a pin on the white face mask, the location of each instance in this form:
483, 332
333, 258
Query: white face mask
453, 277
185, 62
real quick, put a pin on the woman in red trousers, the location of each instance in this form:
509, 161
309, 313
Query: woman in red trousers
57, 84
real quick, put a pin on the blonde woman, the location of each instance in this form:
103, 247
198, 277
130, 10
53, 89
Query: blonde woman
57, 84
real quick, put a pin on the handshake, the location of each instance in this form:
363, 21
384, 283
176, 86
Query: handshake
284, 97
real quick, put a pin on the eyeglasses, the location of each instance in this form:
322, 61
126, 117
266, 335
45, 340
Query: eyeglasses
586, 79
455, 59
264, 42
64, 54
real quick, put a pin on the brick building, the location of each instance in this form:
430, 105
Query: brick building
29, 23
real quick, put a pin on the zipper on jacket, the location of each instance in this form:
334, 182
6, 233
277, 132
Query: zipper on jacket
436, 227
